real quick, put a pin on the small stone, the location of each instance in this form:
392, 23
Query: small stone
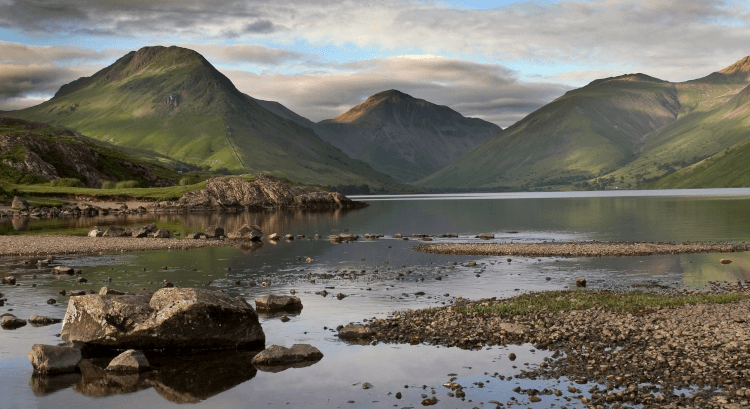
534, 399
725, 261
63, 270
366, 385
581, 282
81, 280
38, 320
10, 280
129, 361
284, 318
512, 356
429, 401
54, 359
11, 322
398, 395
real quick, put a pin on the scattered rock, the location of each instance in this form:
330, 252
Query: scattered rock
273, 237
581, 282
129, 361
10, 321
96, 232
54, 359
367, 385
279, 355
19, 203
63, 270
278, 303
160, 234
114, 231
39, 320
9, 280
214, 231
725, 261
81, 280
429, 401
487, 236
252, 233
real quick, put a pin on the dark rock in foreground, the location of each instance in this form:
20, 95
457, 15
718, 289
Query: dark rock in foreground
54, 359
279, 355
178, 318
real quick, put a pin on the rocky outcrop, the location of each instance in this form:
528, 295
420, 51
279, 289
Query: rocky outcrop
279, 355
177, 318
29, 150
54, 359
261, 192
19, 203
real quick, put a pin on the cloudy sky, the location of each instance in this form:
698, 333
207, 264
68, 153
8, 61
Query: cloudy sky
496, 60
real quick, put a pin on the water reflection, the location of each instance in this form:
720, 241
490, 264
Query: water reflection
178, 379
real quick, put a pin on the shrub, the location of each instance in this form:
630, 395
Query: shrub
126, 184
189, 180
66, 182
108, 184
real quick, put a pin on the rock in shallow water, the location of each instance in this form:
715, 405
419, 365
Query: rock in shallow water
279, 355
278, 303
10, 321
355, 331
38, 320
129, 361
180, 318
54, 359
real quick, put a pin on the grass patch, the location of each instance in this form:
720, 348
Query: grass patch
583, 300
152, 193
66, 182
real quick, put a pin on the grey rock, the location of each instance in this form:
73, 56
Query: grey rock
278, 303
487, 236
355, 331
179, 318
19, 203
114, 231
580, 282
279, 355
11, 322
39, 320
96, 232
54, 359
129, 361
160, 234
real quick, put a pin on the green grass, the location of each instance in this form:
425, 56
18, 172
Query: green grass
153, 193
585, 299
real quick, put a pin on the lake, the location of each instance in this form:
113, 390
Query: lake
393, 273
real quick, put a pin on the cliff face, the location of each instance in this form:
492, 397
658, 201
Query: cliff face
263, 192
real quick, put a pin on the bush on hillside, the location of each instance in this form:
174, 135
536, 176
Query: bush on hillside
108, 184
66, 182
126, 184
189, 180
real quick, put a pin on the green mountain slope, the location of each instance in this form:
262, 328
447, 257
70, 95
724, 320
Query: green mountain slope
583, 134
174, 102
405, 137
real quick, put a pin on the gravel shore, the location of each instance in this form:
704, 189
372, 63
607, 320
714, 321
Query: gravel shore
594, 249
694, 355
20, 246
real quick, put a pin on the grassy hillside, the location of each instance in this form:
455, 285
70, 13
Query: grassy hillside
729, 168
586, 133
173, 102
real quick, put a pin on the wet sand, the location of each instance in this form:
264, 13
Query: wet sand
596, 249
20, 246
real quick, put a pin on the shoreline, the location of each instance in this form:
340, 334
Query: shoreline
48, 245
596, 249
642, 356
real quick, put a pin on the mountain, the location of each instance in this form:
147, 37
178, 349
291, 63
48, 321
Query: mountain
584, 133
33, 152
626, 131
172, 101
405, 137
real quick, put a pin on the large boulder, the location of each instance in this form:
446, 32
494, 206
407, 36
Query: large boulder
96, 232
214, 231
19, 203
279, 355
177, 318
278, 303
54, 359
129, 361
248, 232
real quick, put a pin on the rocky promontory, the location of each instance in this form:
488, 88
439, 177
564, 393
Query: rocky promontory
262, 192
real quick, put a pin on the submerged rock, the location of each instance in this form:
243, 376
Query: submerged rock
279, 355
54, 359
278, 303
180, 318
63, 270
38, 320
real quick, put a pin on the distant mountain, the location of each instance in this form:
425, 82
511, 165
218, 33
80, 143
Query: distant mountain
174, 102
585, 133
405, 137
626, 131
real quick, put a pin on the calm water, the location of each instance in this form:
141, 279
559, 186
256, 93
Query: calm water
228, 380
